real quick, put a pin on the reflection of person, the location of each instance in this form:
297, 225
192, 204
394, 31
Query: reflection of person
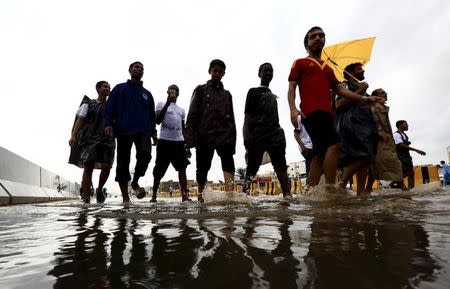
304, 143
170, 148
130, 110
348, 254
356, 128
95, 149
386, 166
210, 127
279, 265
262, 131
315, 79
403, 147
446, 172
81, 263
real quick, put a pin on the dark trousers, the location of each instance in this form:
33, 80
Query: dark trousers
143, 145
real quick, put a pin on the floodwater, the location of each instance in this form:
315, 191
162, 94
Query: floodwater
389, 240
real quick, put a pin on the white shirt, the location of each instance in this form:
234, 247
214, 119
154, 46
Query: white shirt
171, 125
83, 110
304, 136
398, 138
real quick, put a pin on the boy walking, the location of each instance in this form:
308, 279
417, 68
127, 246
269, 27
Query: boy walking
130, 111
170, 148
210, 127
262, 131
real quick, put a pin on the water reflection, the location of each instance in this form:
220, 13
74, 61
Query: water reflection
82, 263
386, 254
254, 252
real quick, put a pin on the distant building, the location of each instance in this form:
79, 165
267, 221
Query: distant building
297, 169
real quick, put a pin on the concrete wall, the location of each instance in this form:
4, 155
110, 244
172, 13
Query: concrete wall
22, 181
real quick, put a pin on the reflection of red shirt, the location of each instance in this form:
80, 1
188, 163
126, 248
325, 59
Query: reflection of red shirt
315, 79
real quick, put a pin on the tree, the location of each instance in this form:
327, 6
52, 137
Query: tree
240, 173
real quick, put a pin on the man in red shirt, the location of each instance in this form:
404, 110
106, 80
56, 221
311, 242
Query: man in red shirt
316, 80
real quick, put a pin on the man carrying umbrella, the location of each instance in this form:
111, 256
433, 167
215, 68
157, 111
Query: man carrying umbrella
315, 79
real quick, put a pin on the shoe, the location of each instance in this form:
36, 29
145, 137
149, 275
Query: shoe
100, 196
139, 192
200, 199
86, 200
153, 200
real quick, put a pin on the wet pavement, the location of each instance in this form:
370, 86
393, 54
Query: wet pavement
389, 240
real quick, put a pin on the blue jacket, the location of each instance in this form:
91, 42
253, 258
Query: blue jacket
130, 109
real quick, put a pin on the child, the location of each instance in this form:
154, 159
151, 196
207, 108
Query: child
91, 148
210, 127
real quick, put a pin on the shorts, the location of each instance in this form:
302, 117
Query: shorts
276, 151
204, 157
169, 152
320, 126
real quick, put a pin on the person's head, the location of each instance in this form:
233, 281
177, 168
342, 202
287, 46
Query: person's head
380, 92
217, 69
136, 70
402, 125
314, 40
356, 70
265, 72
442, 163
103, 88
175, 88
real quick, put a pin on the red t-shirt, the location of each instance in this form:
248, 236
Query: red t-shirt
315, 79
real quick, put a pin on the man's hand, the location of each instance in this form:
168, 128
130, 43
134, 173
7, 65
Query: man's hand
171, 95
373, 99
109, 131
188, 153
420, 152
155, 140
73, 140
303, 148
294, 116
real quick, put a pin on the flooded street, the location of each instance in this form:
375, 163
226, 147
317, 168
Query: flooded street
389, 240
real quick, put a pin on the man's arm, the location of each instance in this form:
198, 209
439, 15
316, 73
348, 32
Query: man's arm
405, 146
110, 111
192, 119
291, 100
79, 123
350, 95
160, 114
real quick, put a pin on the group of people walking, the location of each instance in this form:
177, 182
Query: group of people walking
338, 124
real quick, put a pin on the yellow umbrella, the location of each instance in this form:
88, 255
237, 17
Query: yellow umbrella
338, 56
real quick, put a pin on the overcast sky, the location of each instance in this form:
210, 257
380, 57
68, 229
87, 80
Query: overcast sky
54, 51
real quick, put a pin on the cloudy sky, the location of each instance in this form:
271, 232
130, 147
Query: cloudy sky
53, 52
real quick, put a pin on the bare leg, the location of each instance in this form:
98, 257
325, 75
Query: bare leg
361, 176
87, 180
228, 178
284, 183
156, 182
330, 163
183, 185
370, 181
201, 187
350, 170
124, 190
316, 170
104, 174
